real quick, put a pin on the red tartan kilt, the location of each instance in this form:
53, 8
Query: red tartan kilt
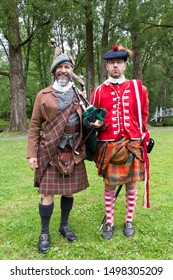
53, 183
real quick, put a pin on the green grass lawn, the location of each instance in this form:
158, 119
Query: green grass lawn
20, 223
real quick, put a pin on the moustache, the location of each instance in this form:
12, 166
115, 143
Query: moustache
63, 73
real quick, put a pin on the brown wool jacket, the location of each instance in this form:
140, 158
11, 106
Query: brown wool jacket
45, 109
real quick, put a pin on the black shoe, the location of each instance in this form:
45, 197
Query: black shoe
44, 243
128, 229
108, 232
68, 233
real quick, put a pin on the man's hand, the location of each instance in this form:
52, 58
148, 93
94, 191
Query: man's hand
97, 124
33, 163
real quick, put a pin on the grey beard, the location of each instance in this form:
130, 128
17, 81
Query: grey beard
63, 82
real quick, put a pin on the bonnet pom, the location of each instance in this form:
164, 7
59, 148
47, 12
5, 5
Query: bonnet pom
115, 48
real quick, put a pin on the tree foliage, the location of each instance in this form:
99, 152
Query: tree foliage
86, 30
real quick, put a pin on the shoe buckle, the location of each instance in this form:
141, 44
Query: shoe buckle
128, 225
44, 237
108, 228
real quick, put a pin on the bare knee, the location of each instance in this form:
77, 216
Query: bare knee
46, 199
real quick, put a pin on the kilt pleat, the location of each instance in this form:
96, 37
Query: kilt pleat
54, 183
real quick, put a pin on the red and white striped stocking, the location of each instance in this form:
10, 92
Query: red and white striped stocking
109, 200
131, 197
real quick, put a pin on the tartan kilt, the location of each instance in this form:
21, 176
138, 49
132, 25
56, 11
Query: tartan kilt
54, 183
131, 171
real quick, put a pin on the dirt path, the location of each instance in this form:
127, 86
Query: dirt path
14, 137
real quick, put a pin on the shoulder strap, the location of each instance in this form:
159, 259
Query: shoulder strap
145, 137
138, 104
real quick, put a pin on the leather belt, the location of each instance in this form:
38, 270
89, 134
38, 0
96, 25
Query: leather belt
70, 129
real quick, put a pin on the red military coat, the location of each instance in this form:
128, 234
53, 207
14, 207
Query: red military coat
122, 117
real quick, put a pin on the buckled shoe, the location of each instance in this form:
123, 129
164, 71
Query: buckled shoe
128, 229
44, 243
108, 232
68, 233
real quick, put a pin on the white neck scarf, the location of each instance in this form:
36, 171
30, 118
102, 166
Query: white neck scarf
58, 87
117, 81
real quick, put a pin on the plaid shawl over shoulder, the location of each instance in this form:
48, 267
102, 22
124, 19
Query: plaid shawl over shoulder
49, 141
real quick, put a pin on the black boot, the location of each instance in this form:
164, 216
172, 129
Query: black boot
66, 206
45, 212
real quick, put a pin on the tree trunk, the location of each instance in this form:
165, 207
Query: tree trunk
89, 50
135, 37
104, 43
17, 92
137, 65
17, 88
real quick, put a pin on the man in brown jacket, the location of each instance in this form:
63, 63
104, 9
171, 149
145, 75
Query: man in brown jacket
57, 154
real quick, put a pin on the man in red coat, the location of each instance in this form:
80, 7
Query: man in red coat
120, 153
